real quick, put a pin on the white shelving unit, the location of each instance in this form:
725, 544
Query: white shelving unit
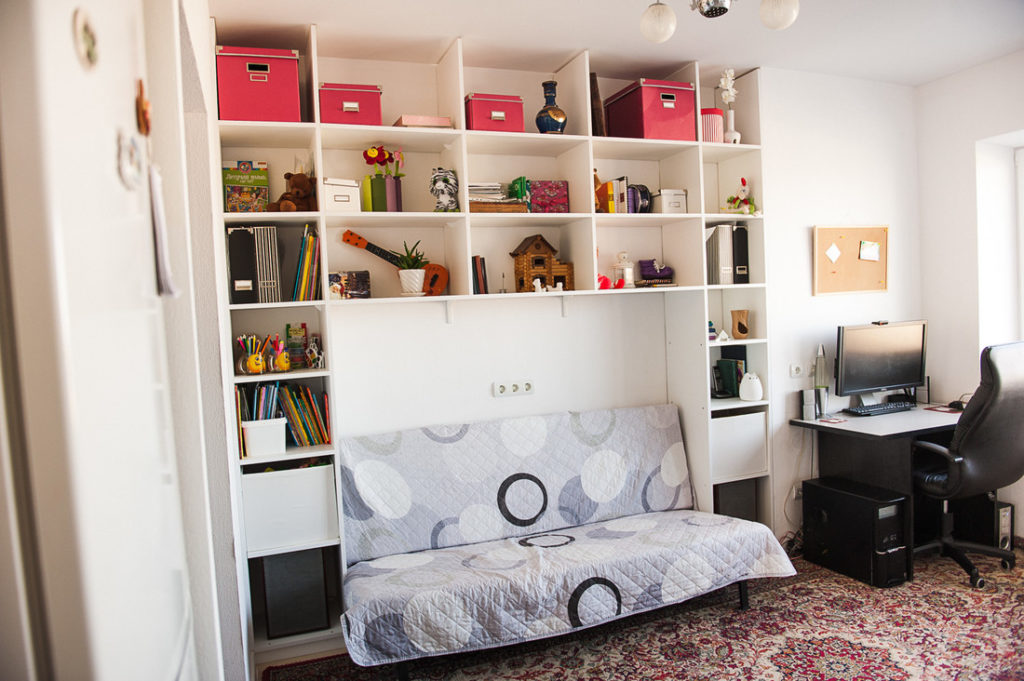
709, 172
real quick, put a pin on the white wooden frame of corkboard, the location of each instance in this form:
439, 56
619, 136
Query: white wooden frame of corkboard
849, 273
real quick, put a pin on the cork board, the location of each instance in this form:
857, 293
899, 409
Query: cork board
848, 259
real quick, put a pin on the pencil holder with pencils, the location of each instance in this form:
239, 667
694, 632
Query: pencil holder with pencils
278, 359
252, 360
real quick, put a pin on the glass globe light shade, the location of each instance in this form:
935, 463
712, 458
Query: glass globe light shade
779, 14
658, 22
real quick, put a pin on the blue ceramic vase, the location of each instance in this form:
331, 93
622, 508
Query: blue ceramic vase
550, 119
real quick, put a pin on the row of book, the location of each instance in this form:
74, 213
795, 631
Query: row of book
307, 275
308, 423
728, 255
479, 274
614, 196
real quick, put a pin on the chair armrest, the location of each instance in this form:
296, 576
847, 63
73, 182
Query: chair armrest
937, 471
944, 452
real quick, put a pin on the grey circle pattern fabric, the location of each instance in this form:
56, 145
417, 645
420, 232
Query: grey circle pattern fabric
447, 485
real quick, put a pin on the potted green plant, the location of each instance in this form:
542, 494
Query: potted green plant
410, 269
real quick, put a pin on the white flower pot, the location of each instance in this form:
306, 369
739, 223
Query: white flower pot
412, 282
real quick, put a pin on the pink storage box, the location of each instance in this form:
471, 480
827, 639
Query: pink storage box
494, 112
653, 109
257, 84
348, 103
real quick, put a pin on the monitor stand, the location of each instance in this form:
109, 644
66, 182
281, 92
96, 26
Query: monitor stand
867, 399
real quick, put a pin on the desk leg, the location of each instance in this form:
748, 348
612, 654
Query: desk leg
877, 462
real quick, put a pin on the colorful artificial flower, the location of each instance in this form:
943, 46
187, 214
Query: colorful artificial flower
382, 158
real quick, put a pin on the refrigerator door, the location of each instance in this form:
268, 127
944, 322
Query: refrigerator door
105, 590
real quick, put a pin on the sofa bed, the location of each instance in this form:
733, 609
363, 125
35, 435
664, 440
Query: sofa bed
471, 536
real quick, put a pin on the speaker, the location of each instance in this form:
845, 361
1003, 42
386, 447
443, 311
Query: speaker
856, 529
1004, 513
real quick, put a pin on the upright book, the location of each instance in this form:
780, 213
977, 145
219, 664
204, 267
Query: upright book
740, 255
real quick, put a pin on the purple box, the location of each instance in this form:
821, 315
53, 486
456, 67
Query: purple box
549, 196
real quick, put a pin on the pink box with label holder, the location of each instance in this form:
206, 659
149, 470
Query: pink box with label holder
258, 84
653, 109
503, 113
350, 103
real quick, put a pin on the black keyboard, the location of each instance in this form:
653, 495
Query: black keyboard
883, 408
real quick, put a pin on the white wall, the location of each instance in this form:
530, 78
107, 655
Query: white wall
954, 114
838, 151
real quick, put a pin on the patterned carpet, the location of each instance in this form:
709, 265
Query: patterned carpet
817, 625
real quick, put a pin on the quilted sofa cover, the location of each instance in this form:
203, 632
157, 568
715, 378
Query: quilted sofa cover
501, 592
429, 488
473, 536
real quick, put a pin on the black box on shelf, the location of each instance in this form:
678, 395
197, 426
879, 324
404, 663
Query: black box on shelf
295, 593
737, 499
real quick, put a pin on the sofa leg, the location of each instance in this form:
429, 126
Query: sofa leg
744, 600
402, 671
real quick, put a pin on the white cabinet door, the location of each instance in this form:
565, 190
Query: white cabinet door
101, 498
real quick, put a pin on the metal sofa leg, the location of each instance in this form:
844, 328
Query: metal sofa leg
744, 600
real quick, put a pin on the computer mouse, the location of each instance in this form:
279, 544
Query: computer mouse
956, 404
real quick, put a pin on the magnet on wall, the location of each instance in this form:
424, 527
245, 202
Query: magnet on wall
84, 38
142, 110
129, 160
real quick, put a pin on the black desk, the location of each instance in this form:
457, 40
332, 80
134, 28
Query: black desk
876, 450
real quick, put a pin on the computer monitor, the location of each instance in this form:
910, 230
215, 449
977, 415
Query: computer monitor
871, 358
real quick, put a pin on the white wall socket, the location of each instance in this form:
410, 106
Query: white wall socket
522, 386
796, 370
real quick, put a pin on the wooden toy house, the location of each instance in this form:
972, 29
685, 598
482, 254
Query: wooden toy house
535, 259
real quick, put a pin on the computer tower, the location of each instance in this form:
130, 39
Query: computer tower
856, 529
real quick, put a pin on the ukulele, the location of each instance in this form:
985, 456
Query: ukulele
435, 277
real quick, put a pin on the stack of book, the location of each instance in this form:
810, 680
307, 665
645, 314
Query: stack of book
307, 274
492, 197
727, 253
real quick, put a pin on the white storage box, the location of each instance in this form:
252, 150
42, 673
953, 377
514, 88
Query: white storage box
738, 447
341, 195
290, 508
263, 438
670, 201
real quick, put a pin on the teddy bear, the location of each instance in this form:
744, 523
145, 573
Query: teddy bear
301, 194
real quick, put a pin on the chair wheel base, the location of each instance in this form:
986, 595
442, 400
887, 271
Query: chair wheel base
1008, 564
977, 581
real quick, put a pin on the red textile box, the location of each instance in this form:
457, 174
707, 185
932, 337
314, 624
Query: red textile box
549, 196
494, 112
345, 103
257, 84
653, 109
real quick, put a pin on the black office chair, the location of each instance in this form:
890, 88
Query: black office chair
986, 453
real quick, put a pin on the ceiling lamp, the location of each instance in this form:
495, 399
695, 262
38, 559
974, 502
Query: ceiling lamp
658, 22
779, 14
710, 8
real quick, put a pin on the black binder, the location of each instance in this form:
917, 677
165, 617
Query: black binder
244, 286
740, 255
